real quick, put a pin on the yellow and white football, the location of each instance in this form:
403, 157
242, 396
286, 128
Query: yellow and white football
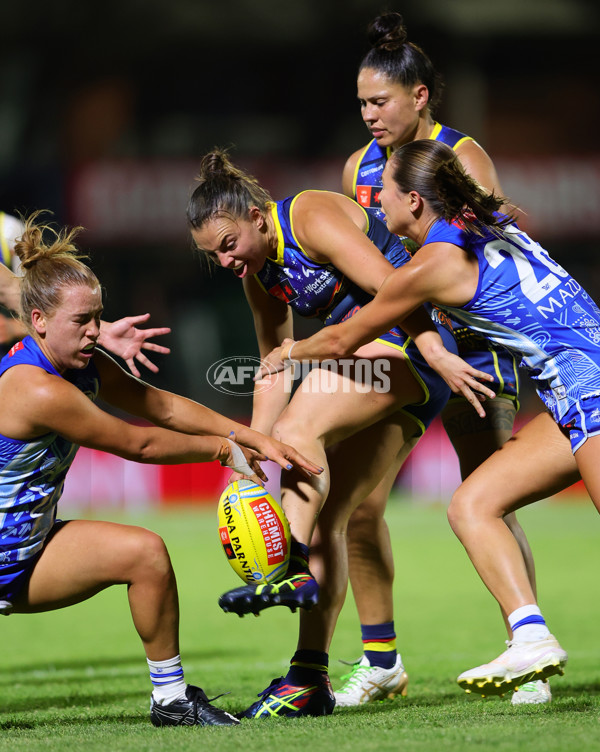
254, 532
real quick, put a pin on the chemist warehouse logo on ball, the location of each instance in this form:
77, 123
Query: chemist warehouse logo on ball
235, 375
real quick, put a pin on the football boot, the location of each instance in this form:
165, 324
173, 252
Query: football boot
366, 683
521, 663
195, 710
532, 693
281, 699
296, 591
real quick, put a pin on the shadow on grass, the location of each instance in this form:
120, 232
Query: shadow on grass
69, 701
10, 674
128, 719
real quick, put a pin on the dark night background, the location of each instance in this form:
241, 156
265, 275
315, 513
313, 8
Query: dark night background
105, 109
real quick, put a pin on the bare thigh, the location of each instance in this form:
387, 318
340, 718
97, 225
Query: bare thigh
333, 405
84, 557
535, 463
361, 463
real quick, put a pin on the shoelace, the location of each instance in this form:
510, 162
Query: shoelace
212, 699
263, 693
355, 676
274, 587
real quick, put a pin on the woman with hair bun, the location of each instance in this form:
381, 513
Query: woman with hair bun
483, 271
49, 382
399, 91
122, 337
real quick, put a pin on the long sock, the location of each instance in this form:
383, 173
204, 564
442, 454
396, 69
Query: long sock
298, 558
307, 667
528, 624
379, 643
167, 680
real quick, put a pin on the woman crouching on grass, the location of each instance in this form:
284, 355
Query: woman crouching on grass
48, 384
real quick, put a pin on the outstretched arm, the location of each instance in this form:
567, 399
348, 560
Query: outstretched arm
124, 339
183, 415
425, 277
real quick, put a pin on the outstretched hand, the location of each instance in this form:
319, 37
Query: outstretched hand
124, 339
283, 454
464, 379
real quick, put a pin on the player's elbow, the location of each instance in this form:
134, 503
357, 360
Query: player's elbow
340, 345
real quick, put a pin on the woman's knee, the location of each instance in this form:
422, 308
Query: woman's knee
147, 553
463, 507
289, 428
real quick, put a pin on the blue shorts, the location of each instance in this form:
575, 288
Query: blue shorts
436, 391
15, 575
582, 420
482, 354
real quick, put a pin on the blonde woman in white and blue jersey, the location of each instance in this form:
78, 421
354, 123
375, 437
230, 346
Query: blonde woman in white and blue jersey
399, 91
49, 383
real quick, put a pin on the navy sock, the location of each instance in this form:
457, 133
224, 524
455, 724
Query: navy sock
307, 667
298, 558
379, 643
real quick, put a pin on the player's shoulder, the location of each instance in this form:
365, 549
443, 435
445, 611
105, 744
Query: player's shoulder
350, 168
28, 384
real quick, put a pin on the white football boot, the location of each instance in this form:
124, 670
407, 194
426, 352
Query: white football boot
521, 663
532, 693
366, 683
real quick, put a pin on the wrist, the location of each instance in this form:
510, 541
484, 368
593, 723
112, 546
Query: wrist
286, 351
224, 451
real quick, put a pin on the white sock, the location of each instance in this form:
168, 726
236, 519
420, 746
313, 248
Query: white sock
167, 680
527, 624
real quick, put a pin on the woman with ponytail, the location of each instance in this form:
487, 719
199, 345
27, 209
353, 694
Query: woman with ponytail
482, 270
319, 254
399, 91
49, 383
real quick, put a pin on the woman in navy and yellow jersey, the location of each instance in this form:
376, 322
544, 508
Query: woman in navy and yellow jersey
398, 92
321, 255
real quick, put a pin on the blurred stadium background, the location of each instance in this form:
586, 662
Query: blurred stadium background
106, 109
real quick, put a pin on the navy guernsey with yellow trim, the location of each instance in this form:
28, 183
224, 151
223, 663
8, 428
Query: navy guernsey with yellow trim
477, 350
320, 290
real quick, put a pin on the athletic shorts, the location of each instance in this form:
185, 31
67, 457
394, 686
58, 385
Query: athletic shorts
582, 420
13, 578
15, 575
437, 392
480, 353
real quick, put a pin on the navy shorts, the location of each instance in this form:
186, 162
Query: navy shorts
436, 391
482, 354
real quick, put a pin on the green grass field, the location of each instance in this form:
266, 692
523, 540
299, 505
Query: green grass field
77, 679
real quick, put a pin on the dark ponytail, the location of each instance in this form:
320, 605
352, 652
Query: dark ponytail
433, 170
